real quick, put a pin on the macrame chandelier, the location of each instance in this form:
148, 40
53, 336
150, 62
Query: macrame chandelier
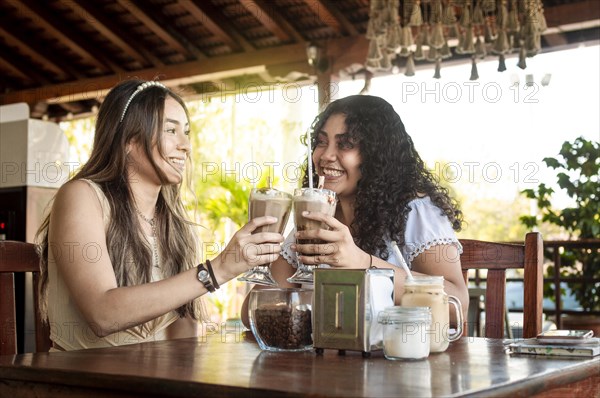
420, 30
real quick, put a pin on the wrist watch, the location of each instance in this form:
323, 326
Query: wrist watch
204, 277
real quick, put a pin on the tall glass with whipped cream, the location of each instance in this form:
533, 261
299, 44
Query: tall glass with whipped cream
267, 202
312, 200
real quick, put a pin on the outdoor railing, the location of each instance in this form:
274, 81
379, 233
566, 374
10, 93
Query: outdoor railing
555, 247
557, 278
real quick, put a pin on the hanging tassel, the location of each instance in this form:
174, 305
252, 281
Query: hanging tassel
437, 36
432, 55
384, 62
436, 12
416, 18
480, 51
514, 42
419, 55
374, 53
452, 31
404, 52
501, 63
522, 62
410, 66
532, 37
541, 18
469, 45
489, 29
406, 37
465, 19
438, 67
367, 86
460, 47
393, 38
501, 45
371, 29
474, 74
488, 6
425, 32
478, 15
445, 51
513, 20
503, 17
533, 44
449, 16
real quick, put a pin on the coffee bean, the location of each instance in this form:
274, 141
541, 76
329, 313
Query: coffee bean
284, 327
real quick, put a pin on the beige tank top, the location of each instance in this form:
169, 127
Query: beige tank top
69, 329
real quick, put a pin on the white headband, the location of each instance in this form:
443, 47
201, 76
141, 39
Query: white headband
138, 90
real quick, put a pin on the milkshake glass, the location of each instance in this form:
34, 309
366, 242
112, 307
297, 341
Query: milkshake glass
313, 200
267, 202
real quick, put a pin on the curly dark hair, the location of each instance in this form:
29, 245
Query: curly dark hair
392, 171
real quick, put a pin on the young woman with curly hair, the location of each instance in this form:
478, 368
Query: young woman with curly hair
385, 193
119, 255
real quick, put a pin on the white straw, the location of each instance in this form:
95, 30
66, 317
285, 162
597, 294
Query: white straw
402, 261
309, 160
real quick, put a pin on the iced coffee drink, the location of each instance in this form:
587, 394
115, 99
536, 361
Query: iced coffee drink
428, 291
267, 202
312, 200
270, 202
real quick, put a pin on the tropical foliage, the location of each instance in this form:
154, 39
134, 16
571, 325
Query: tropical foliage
577, 166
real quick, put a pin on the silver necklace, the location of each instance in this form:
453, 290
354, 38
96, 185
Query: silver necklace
152, 222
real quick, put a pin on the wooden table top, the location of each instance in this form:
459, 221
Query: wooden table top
220, 366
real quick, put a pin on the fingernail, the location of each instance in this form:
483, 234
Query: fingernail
305, 213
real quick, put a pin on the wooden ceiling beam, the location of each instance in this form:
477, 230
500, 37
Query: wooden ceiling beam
12, 69
97, 19
21, 67
151, 19
92, 88
332, 17
38, 12
213, 20
270, 18
73, 107
565, 14
34, 54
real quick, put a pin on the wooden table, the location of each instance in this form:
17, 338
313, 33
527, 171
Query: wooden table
220, 366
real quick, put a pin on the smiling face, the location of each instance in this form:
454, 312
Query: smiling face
337, 158
174, 145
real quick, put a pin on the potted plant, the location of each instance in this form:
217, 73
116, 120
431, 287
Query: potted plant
578, 167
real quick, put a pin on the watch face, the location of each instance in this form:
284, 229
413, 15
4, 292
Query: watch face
203, 275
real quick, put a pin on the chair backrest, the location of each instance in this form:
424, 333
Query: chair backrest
497, 258
18, 257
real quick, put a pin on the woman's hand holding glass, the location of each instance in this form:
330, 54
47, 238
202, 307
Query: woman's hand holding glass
246, 249
338, 248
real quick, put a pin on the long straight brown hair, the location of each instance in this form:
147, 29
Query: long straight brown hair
127, 248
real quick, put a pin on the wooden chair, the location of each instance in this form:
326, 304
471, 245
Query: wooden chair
18, 257
497, 258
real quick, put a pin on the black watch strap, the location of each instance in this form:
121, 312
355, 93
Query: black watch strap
212, 274
204, 277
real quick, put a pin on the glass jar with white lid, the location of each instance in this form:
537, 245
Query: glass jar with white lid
405, 332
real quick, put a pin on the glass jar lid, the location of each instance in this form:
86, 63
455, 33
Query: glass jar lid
425, 280
399, 314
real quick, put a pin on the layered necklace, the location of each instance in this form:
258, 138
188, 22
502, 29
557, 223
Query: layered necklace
152, 222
